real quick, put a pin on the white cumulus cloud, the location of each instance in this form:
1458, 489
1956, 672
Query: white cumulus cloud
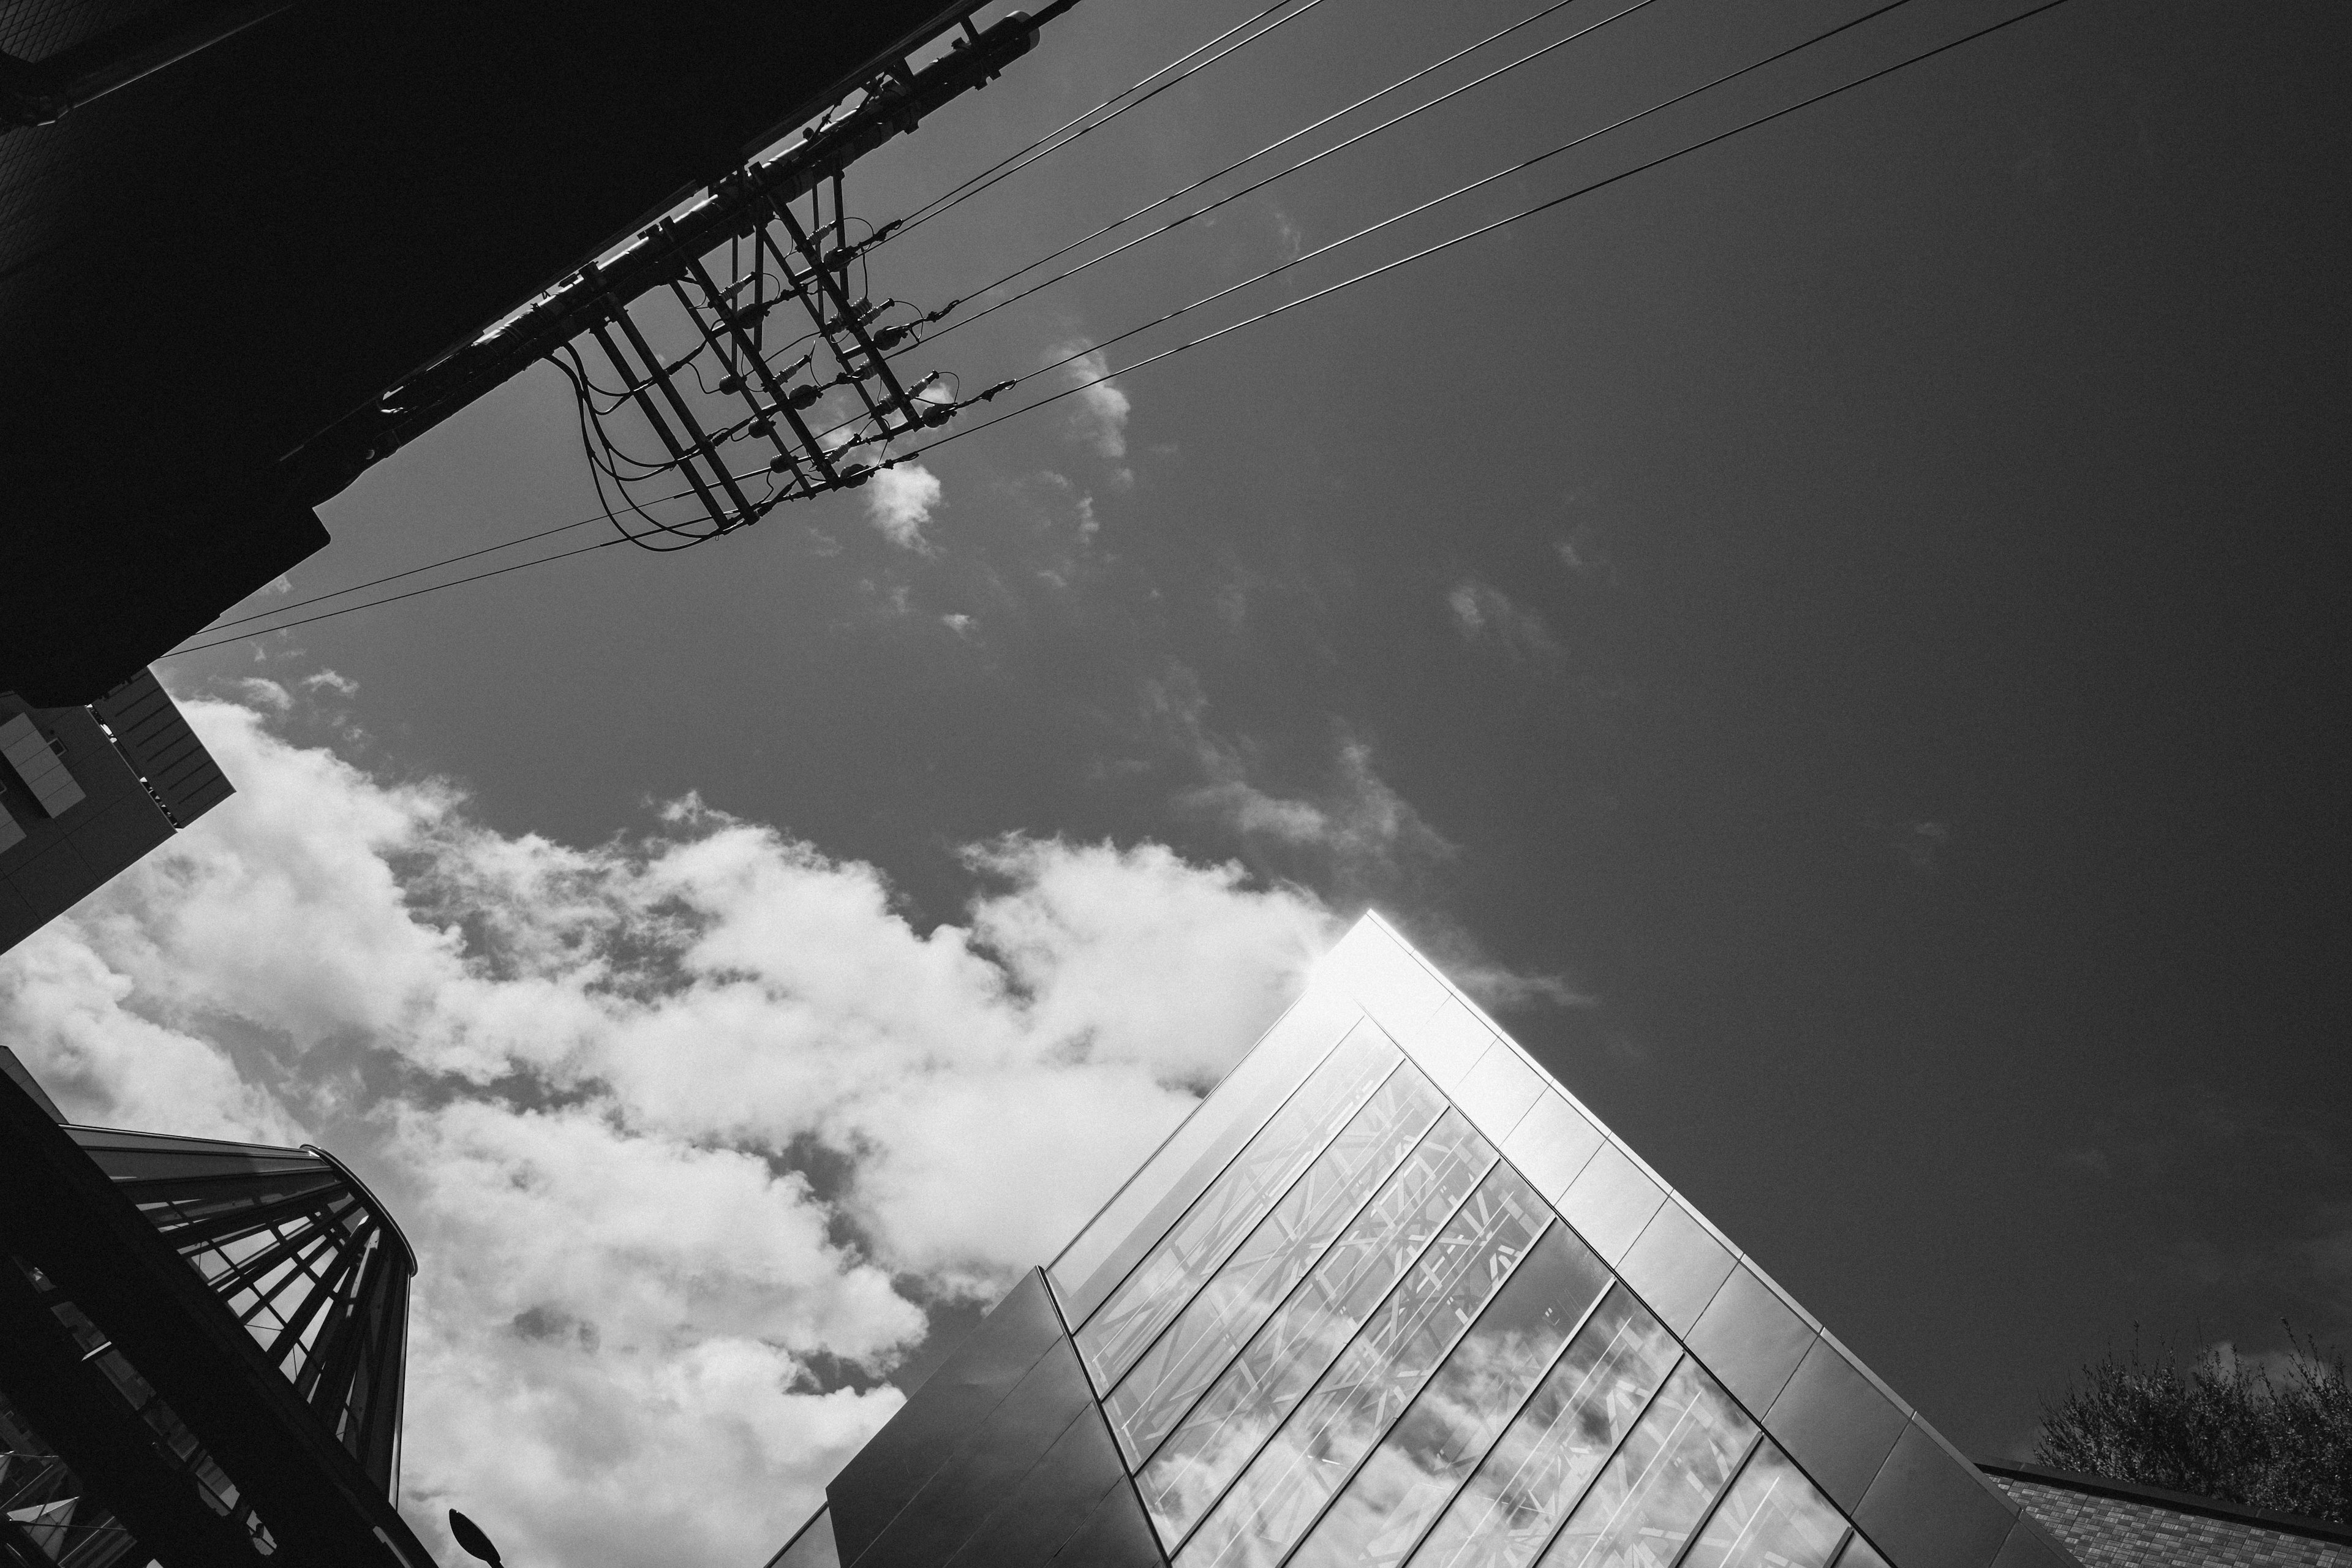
688, 1127
898, 501
1103, 406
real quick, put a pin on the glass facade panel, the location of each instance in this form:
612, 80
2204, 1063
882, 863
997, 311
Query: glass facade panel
1414, 1473
1773, 1518
1403, 1342
1262, 1386
814, 1547
1232, 1307
1655, 1492
1859, 1553
1149, 1297
1576, 1419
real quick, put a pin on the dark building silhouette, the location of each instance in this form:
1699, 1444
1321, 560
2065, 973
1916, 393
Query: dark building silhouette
208, 269
202, 1350
84, 791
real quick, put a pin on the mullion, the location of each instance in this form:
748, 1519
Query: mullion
1436, 1367
1402, 1279
1518, 1410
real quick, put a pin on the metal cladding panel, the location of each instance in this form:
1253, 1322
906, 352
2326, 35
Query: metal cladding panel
1835, 1424
962, 1495
1118, 1535
1925, 1509
944, 1418
1025, 1481
1053, 1502
154, 737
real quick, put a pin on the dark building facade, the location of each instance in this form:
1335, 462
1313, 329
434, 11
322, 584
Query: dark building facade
207, 273
202, 1350
86, 791
1392, 1296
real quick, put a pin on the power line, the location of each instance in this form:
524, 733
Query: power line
1326, 293
396, 576
413, 593
1471, 234
1040, 150
1106, 103
1303, 162
1519, 167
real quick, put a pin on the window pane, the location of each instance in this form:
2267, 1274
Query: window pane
1277, 1254
1773, 1518
1860, 1555
1212, 1443
1488, 1375
1157, 1196
1398, 1347
1574, 1424
1650, 1495
1145, 1301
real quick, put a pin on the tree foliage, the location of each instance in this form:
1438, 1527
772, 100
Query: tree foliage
2221, 1426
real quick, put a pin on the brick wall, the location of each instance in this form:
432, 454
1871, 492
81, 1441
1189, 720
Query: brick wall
2120, 1533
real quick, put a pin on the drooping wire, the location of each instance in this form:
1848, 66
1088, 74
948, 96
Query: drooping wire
1477, 185
396, 576
1047, 146
1279, 174
1479, 231
1175, 350
413, 593
1132, 87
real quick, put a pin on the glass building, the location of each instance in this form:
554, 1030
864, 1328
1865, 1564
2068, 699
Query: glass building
1391, 1296
202, 1350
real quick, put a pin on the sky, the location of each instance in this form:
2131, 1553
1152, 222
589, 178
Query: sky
1838, 640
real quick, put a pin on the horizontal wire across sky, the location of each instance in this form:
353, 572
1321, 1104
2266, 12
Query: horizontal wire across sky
1118, 103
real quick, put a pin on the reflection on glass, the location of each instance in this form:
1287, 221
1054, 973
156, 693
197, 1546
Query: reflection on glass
1481, 1384
1773, 1518
1212, 1443
1651, 1495
1574, 1422
813, 1547
1277, 1254
1369, 1387
1859, 1553
1234, 1205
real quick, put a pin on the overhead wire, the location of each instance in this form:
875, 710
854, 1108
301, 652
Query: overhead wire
1477, 185
1106, 103
1366, 276
1479, 231
395, 598
1046, 147
1280, 174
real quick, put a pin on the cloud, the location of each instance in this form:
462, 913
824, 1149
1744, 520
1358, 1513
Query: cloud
1350, 821
1485, 613
1103, 408
898, 501
688, 1127
266, 693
